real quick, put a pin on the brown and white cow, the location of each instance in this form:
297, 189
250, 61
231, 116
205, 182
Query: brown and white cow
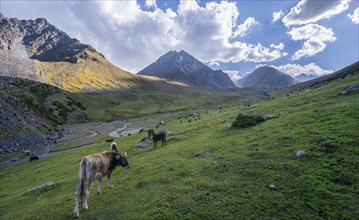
95, 167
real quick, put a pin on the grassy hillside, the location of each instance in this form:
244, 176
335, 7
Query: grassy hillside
118, 105
99, 75
212, 171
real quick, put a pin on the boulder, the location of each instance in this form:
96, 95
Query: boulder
300, 153
272, 187
267, 117
144, 143
167, 132
350, 89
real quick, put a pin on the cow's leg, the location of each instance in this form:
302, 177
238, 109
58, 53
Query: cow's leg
77, 198
87, 193
99, 178
109, 180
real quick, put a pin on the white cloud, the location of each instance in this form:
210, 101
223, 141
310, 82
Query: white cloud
213, 64
355, 16
315, 37
149, 35
151, 3
233, 74
277, 15
245, 28
308, 11
296, 69
280, 46
133, 38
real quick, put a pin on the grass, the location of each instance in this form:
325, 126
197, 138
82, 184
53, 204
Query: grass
117, 105
177, 182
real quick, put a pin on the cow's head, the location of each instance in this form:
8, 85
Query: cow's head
122, 159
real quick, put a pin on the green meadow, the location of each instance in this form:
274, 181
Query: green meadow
210, 170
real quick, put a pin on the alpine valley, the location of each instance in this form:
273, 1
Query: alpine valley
268, 146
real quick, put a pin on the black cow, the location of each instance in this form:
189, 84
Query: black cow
157, 137
109, 140
34, 158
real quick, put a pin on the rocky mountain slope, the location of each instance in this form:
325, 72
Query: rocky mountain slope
30, 112
42, 41
181, 66
304, 77
37, 50
267, 79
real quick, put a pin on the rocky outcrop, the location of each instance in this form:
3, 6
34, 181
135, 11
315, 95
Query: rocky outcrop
183, 67
42, 41
28, 115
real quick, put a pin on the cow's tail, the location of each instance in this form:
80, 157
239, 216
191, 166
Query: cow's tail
81, 180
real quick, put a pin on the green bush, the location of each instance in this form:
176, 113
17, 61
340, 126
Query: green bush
244, 121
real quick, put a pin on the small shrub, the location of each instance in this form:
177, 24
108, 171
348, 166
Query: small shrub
244, 121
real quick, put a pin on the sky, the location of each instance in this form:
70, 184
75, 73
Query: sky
308, 36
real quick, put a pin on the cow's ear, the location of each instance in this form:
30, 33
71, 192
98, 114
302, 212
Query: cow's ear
125, 153
117, 157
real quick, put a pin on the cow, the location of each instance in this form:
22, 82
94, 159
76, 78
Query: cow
34, 158
157, 137
95, 167
109, 140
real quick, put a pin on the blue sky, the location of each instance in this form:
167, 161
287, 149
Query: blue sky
310, 36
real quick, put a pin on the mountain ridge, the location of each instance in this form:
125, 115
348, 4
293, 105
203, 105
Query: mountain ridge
37, 50
182, 66
267, 79
304, 77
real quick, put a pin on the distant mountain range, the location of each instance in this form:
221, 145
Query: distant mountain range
267, 79
181, 66
304, 77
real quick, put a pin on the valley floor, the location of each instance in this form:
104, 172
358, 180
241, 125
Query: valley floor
210, 170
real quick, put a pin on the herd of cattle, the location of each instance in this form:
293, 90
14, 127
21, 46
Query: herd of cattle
103, 164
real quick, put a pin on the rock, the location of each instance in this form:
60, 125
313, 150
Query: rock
144, 143
267, 117
41, 186
301, 153
167, 132
27, 152
204, 154
272, 187
14, 159
350, 89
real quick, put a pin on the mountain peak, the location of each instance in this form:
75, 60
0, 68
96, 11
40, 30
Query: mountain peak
182, 66
266, 78
42, 41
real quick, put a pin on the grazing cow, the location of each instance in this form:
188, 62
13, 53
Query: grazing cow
34, 158
140, 131
109, 140
157, 137
95, 167
157, 126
